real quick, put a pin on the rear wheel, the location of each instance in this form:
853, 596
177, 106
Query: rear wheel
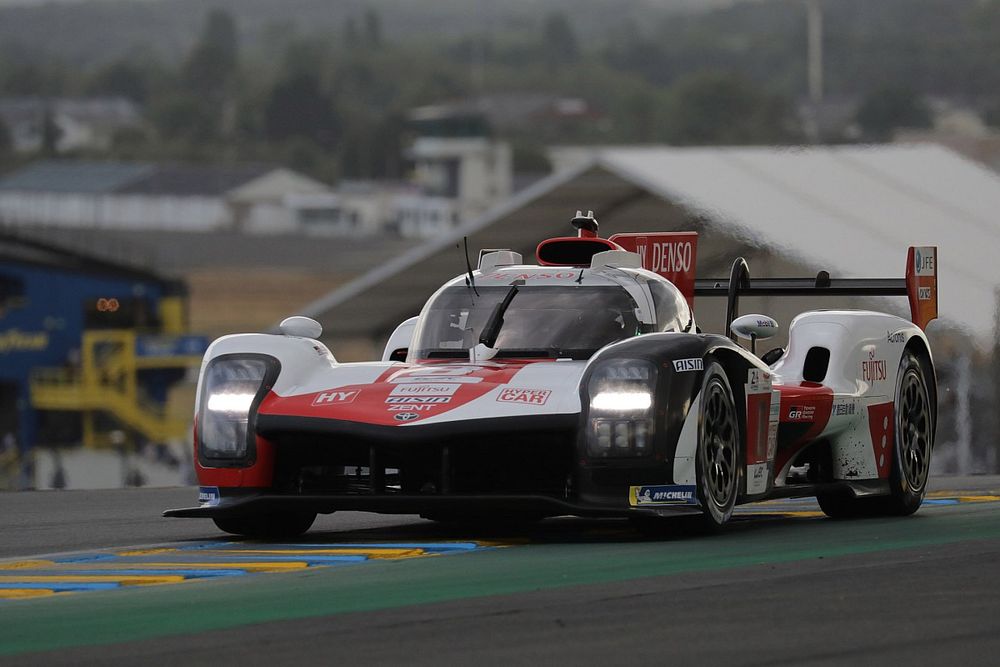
914, 437
718, 461
913, 444
274, 526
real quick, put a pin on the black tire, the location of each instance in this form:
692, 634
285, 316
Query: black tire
914, 437
718, 463
912, 447
843, 505
274, 526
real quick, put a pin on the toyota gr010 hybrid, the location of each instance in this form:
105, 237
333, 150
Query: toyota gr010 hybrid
579, 385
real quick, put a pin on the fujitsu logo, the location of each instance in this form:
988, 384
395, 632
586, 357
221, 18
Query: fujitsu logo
873, 370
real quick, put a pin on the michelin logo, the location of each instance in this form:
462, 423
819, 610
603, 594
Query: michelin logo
668, 494
209, 496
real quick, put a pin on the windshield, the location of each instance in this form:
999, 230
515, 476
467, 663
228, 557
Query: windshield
560, 321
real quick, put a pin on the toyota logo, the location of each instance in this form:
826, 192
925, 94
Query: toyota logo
405, 416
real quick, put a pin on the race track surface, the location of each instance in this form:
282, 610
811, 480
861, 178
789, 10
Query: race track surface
100, 578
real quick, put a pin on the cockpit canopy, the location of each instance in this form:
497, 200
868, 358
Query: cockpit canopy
570, 320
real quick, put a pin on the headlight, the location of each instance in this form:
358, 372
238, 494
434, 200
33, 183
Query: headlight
231, 389
621, 408
622, 401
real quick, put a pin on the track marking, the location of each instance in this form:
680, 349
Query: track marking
26, 564
805, 508
136, 566
24, 593
371, 552
121, 580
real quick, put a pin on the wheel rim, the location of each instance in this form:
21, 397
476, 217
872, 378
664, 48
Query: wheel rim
718, 449
913, 423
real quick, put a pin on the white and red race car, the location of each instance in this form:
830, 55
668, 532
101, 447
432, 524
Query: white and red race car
580, 385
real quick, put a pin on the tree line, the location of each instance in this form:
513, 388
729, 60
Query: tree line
334, 103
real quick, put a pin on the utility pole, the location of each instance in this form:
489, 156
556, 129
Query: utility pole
814, 18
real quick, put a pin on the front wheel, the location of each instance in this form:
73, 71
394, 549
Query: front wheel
274, 526
718, 460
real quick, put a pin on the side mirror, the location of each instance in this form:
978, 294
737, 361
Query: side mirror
306, 327
754, 327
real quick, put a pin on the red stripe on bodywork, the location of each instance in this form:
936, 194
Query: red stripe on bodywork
260, 474
881, 425
808, 396
758, 412
369, 403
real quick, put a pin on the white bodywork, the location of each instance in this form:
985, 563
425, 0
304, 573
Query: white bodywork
865, 352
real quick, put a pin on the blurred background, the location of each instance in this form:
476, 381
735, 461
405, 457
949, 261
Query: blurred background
176, 170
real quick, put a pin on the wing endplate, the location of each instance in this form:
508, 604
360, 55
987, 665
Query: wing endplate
921, 284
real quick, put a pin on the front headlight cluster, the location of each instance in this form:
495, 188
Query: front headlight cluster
622, 400
231, 388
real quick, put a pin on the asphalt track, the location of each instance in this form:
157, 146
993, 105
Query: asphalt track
782, 586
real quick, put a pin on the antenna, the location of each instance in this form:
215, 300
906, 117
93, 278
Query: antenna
470, 280
586, 224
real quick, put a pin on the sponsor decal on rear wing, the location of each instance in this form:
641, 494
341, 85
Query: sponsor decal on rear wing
670, 254
919, 285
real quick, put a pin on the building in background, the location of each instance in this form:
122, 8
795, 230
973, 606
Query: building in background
90, 353
455, 179
147, 196
454, 157
82, 123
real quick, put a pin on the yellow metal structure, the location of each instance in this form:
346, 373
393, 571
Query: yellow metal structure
107, 381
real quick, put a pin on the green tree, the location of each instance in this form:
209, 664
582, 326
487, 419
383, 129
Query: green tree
50, 133
186, 118
121, 78
6, 141
211, 66
718, 108
373, 28
559, 44
352, 37
298, 107
889, 108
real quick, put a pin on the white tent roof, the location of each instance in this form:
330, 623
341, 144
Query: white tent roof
850, 209
853, 209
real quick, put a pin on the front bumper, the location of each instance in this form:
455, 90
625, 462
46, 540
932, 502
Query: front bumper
264, 502
525, 466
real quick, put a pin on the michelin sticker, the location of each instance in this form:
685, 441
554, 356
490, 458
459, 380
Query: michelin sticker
209, 496
667, 494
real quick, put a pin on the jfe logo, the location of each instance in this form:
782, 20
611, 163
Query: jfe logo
923, 261
327, 398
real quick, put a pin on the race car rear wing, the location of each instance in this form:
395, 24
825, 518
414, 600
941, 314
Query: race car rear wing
919, 286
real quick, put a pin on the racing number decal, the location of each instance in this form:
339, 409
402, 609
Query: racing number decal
459, 374
761, 429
